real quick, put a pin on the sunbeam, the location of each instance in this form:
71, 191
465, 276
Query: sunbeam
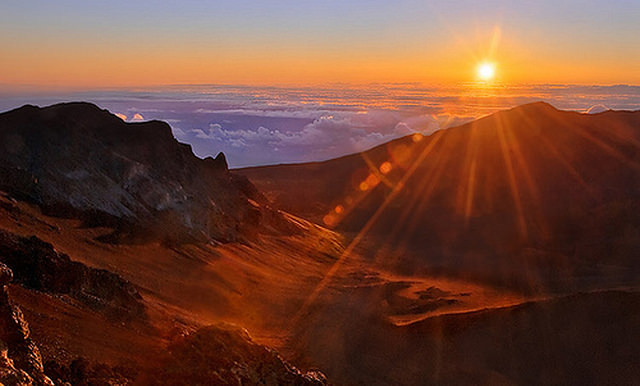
372, 220
511, 178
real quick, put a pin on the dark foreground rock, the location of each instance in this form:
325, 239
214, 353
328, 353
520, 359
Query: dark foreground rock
226, 355
20, 360
37, 265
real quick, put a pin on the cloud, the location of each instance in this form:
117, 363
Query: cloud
595, 109
327, 136
428, 124
135, 118
293, 112
364, 142
178, 132
261, 135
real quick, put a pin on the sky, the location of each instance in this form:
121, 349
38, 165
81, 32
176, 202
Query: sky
88, 44
280, 81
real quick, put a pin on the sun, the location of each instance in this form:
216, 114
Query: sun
486, 71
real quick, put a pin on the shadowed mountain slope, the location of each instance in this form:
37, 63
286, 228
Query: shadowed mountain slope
529, 197
581, 339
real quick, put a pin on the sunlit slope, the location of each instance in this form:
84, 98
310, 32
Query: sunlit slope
256, 285
533, 197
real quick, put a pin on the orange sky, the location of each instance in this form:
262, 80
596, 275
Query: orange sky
437, 43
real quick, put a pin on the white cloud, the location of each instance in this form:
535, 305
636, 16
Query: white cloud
178, 132
328, 135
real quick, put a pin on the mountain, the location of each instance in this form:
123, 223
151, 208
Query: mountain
126, 251
78, 161
472, 256
533, 198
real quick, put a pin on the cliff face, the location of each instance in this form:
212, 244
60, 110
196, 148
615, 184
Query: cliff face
75, 160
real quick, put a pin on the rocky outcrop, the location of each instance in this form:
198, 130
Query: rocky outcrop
76, 160
20, 360
226, 355
37, 265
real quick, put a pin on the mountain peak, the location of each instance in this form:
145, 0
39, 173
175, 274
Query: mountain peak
77, 109
533, 107
219, 163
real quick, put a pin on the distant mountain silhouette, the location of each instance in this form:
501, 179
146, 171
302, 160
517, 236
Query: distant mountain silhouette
533, 197
76, 160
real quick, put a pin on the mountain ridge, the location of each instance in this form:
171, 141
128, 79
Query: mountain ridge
77, 160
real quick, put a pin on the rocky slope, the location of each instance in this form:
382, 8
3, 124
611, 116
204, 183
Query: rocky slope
75, 160
37, 265
226, 355
83, 318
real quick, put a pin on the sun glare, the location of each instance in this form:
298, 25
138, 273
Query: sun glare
486, 71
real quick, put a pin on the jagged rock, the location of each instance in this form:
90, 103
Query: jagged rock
222, 160
218, 164
225, 355
9, 375
37, 265
6, 275
81, 371
20, 360
76, 160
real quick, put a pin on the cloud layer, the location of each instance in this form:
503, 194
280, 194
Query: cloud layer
266, 125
